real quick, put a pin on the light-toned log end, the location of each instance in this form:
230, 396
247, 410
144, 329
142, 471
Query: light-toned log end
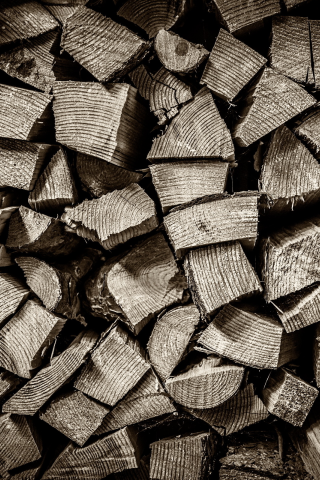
197, 132
271, 101
231, 65
307, 129
188, 456
316, 355
62, 12
289, 397
219, 274
314, 26
8, 383
12, 295
178, 183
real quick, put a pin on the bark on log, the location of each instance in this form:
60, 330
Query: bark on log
13, 293
8, 383
316, 355
307, 129
314, 26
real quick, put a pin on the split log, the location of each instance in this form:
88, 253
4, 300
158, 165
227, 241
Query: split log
177, 54
141, 473
114, 453
178, 183
65, 2
213, 219
34, 233
74, 415
219, 274
115, 366
306, 441
314, 26
243, 409
307, 129
189, 456
289, 397
62, 12
108, 52
5, 257
99, 177
252, 339
271, 101
205, 385
8, 383
170, 337
30, 398
164, 91
316, 355
97, 120
12, 295
197, 132
5, 215
231, 65
115, 217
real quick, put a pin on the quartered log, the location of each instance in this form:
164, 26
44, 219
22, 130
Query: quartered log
307, 129
272, 100
13, 293
218, 274
306, 440
62, 12
314, 26
97, 120
230, 66
30, 398
316, 355
197, 132
8, 383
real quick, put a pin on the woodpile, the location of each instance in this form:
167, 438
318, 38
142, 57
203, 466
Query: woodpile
159, 239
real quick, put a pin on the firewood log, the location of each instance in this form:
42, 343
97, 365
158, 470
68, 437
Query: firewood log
314, 26
22, 19
8, 383
55, 188
62, 12
177, 183
289, 397
243, 409
115, 366
30, 398
197, 132
306, 441
252, 339
13, 293
219, 274
107, 49
231, 65
272, 100
189, 456
115, 217
290, 4
5, 215
114, 453
164, 91
177, 54
170, 337
316, 355
5, 257
34, 233
307, 130
213, 219
205, 385
99, 177
141, 473
97, 120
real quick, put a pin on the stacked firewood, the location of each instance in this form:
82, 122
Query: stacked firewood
159, 239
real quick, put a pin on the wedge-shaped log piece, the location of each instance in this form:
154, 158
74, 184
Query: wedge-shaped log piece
316, 355
35, 233
99, 177
55, 188
189, 456
164, 91
197, 132
115, 217
170, 337
8, 383
12, 295
231, 66
251, 339
25, 338
219, 274
177, 183
62, 12
213, 219
105, 48
177, 54
307, 129
289, 397
271, 101
314, 26
30, 398
87, 111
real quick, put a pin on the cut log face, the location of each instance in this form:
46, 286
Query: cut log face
271, 101
141, 473
115, 217
240, 411
30, 398
205, 385
62, 12
314, 26
107, 52
8, 383
213, 219
104, 112
316, 355
308, 131
289, 397
181, 458
219, 274
177, 54
170, 337
197, 132
178, 183
231, 65
12, 295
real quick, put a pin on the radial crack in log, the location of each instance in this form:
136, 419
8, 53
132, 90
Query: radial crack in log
13, 293
307, 129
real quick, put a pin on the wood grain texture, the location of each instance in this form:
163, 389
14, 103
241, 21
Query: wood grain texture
197, 132
308, 131
13, 293
314, 26
62, 12
306, 440
231, 65
293, 3
5, 257
8, 383
5, 215
316, 354
141, 473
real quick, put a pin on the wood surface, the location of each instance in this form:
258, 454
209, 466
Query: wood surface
13, 293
